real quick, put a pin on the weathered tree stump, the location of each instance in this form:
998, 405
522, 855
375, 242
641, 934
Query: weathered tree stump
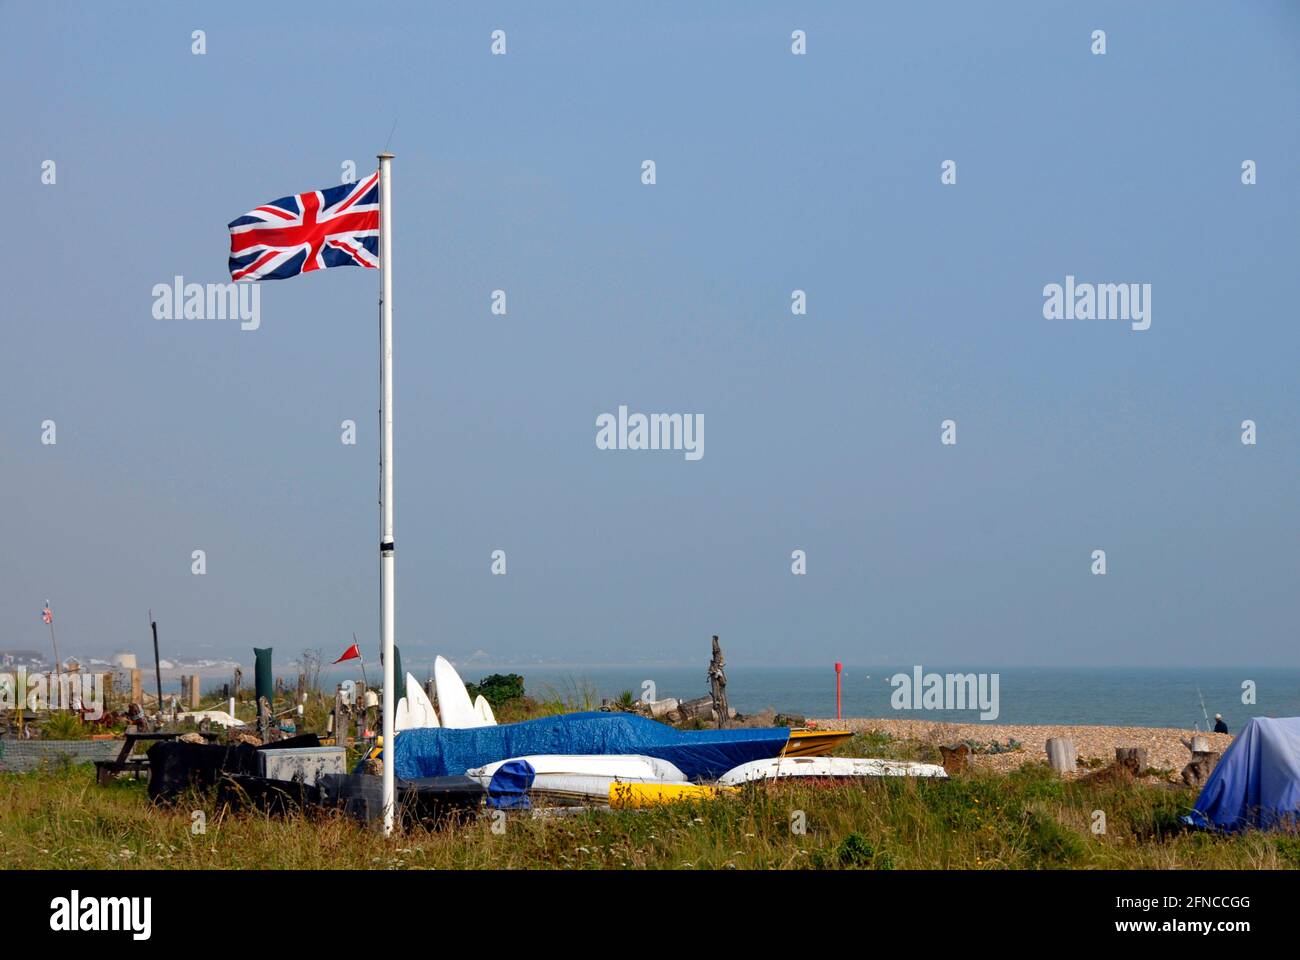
1135, 758
1198, 771
1061, 754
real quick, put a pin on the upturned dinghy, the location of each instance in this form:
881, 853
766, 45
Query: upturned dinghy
701, 755
814, 743
828, 768
580, 778
577, 777
633, 795
624, 766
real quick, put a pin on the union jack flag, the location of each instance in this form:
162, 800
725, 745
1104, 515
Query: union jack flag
335, 227
46, 615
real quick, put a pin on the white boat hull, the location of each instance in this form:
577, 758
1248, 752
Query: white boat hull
632, 767
420, 706
454, 706
827, 767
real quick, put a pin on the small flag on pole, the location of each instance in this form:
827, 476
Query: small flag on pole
334, 227
46, 615
351, 653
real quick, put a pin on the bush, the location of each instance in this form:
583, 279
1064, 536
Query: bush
855, 850
64, 726
498, 689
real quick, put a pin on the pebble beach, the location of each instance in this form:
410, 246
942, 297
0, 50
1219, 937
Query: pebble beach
1165, 750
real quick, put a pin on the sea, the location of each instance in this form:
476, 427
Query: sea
1112, 696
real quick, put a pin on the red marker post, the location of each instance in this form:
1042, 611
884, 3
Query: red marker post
839, 668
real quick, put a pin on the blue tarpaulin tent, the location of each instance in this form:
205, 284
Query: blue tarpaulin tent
700, 754
1257, 781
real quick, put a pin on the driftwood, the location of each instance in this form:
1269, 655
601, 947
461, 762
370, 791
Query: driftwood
1061, 754
661, 708
700, 709
718, 684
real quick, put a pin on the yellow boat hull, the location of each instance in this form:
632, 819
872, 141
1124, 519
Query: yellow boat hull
814, 743
633, 795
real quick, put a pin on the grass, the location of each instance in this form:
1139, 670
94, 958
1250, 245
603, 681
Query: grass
60, 819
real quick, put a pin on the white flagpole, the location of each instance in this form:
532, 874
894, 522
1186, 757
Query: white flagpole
386, 604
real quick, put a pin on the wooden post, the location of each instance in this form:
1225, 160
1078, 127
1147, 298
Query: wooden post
341, 718
718, 684
1135, 758
196, 692
137, 687
1061, 755
157, 662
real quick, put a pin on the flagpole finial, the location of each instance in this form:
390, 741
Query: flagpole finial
385, 155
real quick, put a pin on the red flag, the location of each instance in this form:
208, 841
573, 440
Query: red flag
351, 653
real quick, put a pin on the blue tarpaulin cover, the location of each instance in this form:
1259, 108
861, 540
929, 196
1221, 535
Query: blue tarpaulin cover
1257, 781
700, 754
508, 789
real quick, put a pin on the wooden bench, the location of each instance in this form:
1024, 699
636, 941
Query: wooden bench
106, 770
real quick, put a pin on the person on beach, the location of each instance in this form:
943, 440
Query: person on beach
1219, 725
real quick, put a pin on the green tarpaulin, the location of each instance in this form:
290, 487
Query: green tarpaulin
262, 678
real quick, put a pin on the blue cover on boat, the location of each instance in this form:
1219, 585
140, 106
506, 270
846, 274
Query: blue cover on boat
509, 786
1257, 781
700, 754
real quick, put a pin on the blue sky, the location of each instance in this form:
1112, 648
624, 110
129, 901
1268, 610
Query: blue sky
774, 172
